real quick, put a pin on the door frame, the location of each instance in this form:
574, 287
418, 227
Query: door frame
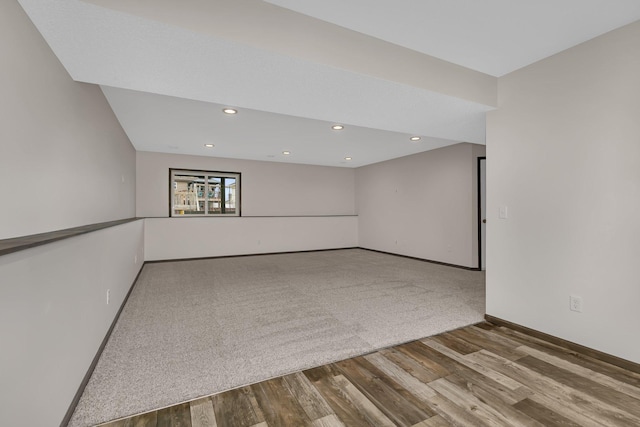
480, 254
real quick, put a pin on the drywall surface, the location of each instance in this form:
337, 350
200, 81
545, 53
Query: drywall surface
285, 207
563, 156
64, 159
268, 188
270, 27
176, 238
64, 162
422, 205
54, 315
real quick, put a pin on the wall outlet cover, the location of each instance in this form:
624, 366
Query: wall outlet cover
575, 303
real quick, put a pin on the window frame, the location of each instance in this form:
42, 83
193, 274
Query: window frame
207, 174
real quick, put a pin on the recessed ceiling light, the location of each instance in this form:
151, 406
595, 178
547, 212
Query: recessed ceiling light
337, 127
209, 145
415, 138
347, 158
286, 153
229, 110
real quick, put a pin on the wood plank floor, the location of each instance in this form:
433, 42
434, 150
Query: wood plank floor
482, 375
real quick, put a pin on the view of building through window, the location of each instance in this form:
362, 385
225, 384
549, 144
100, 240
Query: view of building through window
203, 193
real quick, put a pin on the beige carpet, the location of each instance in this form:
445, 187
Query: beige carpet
194, 328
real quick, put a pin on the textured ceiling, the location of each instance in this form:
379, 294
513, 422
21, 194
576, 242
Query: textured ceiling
491, 36
157, 123
168, 67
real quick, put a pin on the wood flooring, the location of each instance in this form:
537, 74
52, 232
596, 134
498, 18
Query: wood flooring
482, 375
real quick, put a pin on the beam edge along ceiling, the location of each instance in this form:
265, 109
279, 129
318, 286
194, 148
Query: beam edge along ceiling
111, 48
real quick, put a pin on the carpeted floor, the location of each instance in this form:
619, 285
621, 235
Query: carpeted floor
194, 328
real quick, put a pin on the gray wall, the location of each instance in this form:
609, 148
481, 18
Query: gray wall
307, 207
425, 202
64, 162
54, 315
64, 159
563, 154
268, 188
424, 205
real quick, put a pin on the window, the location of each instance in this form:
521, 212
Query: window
203, 193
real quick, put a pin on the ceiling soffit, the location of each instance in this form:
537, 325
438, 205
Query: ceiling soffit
279, 30
126, 51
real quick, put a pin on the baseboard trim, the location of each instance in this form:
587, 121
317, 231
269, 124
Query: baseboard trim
587, 351
94, 363
246, 255
424, 260
313, 250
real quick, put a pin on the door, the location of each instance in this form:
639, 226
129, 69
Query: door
482, 212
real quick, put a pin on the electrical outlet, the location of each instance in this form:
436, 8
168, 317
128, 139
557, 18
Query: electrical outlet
575, 303
108, 296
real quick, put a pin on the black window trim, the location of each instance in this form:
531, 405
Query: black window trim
238, 176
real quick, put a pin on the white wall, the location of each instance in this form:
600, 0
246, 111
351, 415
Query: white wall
309, 207
422, 205
54, 315
63, 157
564, 157
268, 188
175, 238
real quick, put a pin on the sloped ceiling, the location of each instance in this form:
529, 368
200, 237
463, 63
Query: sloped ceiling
491, 36
168, 68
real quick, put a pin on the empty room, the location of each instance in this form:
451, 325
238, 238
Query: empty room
319, 213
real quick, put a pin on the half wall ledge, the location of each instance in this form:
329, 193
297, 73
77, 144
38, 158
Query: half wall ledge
16, 244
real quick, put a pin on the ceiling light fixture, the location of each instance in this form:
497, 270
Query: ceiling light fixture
347, 158
209, 145
286, 153
229, 110
415, 138
337, 127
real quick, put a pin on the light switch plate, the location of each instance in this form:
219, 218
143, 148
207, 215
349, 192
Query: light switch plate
503, 212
